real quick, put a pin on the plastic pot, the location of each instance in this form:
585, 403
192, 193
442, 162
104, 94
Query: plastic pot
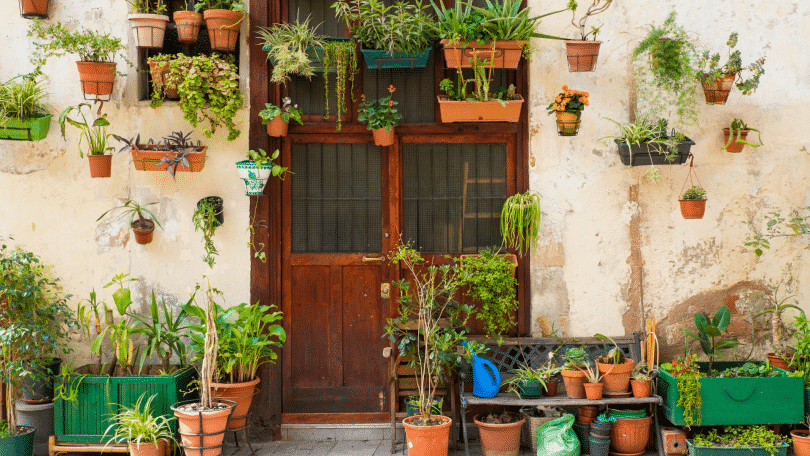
219, 217
382, 137
143, 236
693, 209
801, 442
19, 445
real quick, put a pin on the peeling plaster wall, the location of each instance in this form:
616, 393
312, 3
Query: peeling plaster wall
581, 267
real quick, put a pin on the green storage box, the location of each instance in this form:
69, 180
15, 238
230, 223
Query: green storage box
86, 419
781, 450
726, 401
31, 129
381, 60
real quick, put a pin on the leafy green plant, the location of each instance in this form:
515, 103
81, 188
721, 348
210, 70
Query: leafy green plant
94, 134
523, 374
380, 113
710, 332
801, 353
147, 6
208, 87
342, 56
778, 298
288, 44
158, 86
90, 46
4, 429
686, 371
133, 209
569, 100
402, 27
164, 334
138, 424
694, 193
260, 158
520, 221
741, 436
481, 80
736, 130
614, 355
575, 357
233, 5
491, 282
652, 133
21, 98
119, 334
598, 6
710, 69
748, 370
642, 372
796, 223
204, 219
287, 111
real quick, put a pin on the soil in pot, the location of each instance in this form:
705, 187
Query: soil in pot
429, 440
242, 394
188, 26
641, 388
593, 391
500, 433
616, 377
214, 422
574, 380
801, 442
582, 55
143, 229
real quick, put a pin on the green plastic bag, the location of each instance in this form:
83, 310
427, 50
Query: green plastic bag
557, 438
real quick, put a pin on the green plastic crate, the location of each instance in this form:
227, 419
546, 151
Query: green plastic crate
86, 419
727, 401
381, 60
781, 450
31, 129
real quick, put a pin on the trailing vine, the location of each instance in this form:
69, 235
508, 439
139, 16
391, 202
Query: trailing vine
204, 219
685, 370
343, 55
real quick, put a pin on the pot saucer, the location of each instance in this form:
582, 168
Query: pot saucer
616, 395
613, 453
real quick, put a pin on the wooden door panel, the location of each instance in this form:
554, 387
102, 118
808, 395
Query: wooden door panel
309, 337
363, 323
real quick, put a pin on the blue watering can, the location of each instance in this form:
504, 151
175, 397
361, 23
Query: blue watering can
486, 378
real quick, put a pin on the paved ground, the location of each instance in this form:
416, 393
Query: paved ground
332, 448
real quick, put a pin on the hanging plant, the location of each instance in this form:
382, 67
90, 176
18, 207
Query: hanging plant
342, 57
520, 221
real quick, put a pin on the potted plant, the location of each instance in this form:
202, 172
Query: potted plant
381, 117
31, 9
498, 32
774, 302
738, 441
500, 432
801, 440
572, 374
207, 218
144, 433
175, 153
491, 282
615, 368
593, 382
395, 36
257, 169
208, 87
718, 79
502, 105
159, 68
97, 53
641, 380
148, 22
520, 221
142, 227
290, 48
278, 119
223, 19
96, 137
735, 136
647, 142
22, 116
582, 54
693, 203
188, 24
568, 107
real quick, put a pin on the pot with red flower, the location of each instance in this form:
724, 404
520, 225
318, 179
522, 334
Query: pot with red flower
568, 107
381, 116
278, 118
718, 80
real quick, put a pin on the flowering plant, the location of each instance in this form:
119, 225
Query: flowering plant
379, 113
569, 101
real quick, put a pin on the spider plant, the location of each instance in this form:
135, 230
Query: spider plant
138, 426
520, 221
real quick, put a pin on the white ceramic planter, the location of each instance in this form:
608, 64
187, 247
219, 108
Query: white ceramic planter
149, 29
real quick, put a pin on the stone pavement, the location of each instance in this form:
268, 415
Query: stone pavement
338, 448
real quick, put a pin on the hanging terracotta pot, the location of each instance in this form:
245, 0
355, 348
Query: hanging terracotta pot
148, 449
383, 138
242, 394
616, 377
100, 165
593, 391
693, 209
582, 55
158, 71
506, 53
97, 78
735, 146
641, 388
427, 440
801, 442
149, 29
574, 380
223, 28
479, 111
567, 123
34, 8
630, 435
188, 26
202, 429
717, 92
500, 439
143, 232
277, 126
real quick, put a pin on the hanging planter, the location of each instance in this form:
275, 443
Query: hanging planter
479, 111
188, 26
257, 169
31, 9
716, 92
175, 153
568, 123
278, 119
97, 78
693, 200
142, 227
223, 28
28, 129
383, 137
582, 55
735, 137
381, 117
718, 79
653, 153
568, 106
100, 165
501, 53
149, 29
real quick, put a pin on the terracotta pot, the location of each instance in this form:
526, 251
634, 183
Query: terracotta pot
383, 138
717, 91
242, 394
479, 111
582, 55
500, 439
630, 435
567, 123
213, 423
34, 8
188, 26
97, 78
693, 209
100, 165
507, 53
143, 237
735, 147
148, 449
223, 28
801, 442
593, 391
616, 377
551, 389
149, 29
147, 160
574, 381
159, 70
427, 440
778, 361
587, 413
641, 388
277, 126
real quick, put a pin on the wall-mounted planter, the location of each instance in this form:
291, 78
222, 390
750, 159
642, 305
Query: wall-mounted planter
717, 92
568, 123
31, 129
150, 160
582, 55
144, 231
149, 30
216, 201
31, 9
100, 165
255, 178
381, 60
315, 56
479, 111
188, 26
158, 71
223, 28
384, 138
277, 127
652, 154
97, 78
735, 147
506, 53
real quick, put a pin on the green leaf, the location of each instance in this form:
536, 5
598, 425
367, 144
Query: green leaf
722, 318
700, 321
711, 331
123, 299
724, 344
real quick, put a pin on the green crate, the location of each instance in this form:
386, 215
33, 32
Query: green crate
380, 60
726, 401
86, 419
781, 450
31, 129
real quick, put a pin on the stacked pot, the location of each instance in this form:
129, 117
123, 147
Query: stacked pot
599, 438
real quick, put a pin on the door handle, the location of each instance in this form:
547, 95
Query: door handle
368, 259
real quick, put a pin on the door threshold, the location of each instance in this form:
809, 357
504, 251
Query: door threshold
335, 418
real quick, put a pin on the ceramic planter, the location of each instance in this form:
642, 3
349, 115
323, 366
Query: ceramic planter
427, 440
255, 178
641, 154
500, 439
143, 236
383, 138
574, 380
582, 55
149, 30
19, 445
641, 388
568, 123
551, 388
149, 160
587, 413
506, 53
380, 60
203, 429
188, 26
30, 129
97, 78
593, 391
717, 92
530, 389
30, 9
223, 28
801, 442
616, 377
100, 165
693, 209
277, 127
735, 147
158, 71
781, 450
148, 449
479, 111
630, 435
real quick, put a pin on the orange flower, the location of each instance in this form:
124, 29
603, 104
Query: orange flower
565, 88
559, 98
390, 103
566, 100
391, 88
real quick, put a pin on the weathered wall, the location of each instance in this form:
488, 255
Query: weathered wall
582, 266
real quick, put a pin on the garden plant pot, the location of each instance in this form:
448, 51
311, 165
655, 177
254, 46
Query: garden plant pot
30, 129
188, 26
148, 449
801, 442
100, 165
97, 78
574, 380
149, 30
39, 417
39, 388
593, 391
382, 137
779, 450
641, 388
601, 428
616, 377
500, 439
214, 424
412, 408
479, 111
143, 236
717, 92
149, 160
551, 389
693, 209
34, 8
734, 147
506, 53
567, 123
240, 393
380, 59
587, 413
19, 445
582, 55
277, 127
255, 178
530, 389
642, 154
630, 435
159, 70
582, 430
777, 361
216, 201
427, 440
223, 28
598, 446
